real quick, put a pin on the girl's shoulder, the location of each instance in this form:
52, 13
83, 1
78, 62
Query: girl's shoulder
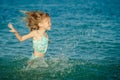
36, 35
33, 32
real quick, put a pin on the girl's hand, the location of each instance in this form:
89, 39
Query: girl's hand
12, 28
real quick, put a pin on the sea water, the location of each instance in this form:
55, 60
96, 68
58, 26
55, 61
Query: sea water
84, 40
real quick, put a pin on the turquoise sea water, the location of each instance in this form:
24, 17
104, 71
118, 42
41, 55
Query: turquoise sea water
85, 40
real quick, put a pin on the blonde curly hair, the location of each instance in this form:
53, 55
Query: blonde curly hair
34, 18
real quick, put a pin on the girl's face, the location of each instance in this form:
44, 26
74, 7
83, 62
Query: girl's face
46, 24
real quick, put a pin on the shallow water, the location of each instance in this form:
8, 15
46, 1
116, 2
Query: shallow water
85, 40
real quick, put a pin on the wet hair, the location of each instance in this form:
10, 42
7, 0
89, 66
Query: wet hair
34, 18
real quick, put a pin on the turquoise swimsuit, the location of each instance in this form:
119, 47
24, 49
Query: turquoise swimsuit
41, 45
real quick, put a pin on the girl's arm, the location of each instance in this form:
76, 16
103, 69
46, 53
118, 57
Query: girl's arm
18, 36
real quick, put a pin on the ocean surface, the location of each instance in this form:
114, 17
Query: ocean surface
85, 40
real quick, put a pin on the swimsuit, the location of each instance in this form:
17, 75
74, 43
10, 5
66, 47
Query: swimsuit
41, 45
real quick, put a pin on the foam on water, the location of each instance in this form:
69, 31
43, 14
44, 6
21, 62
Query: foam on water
51, 66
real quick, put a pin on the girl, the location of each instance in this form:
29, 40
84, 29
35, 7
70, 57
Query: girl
38, 23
